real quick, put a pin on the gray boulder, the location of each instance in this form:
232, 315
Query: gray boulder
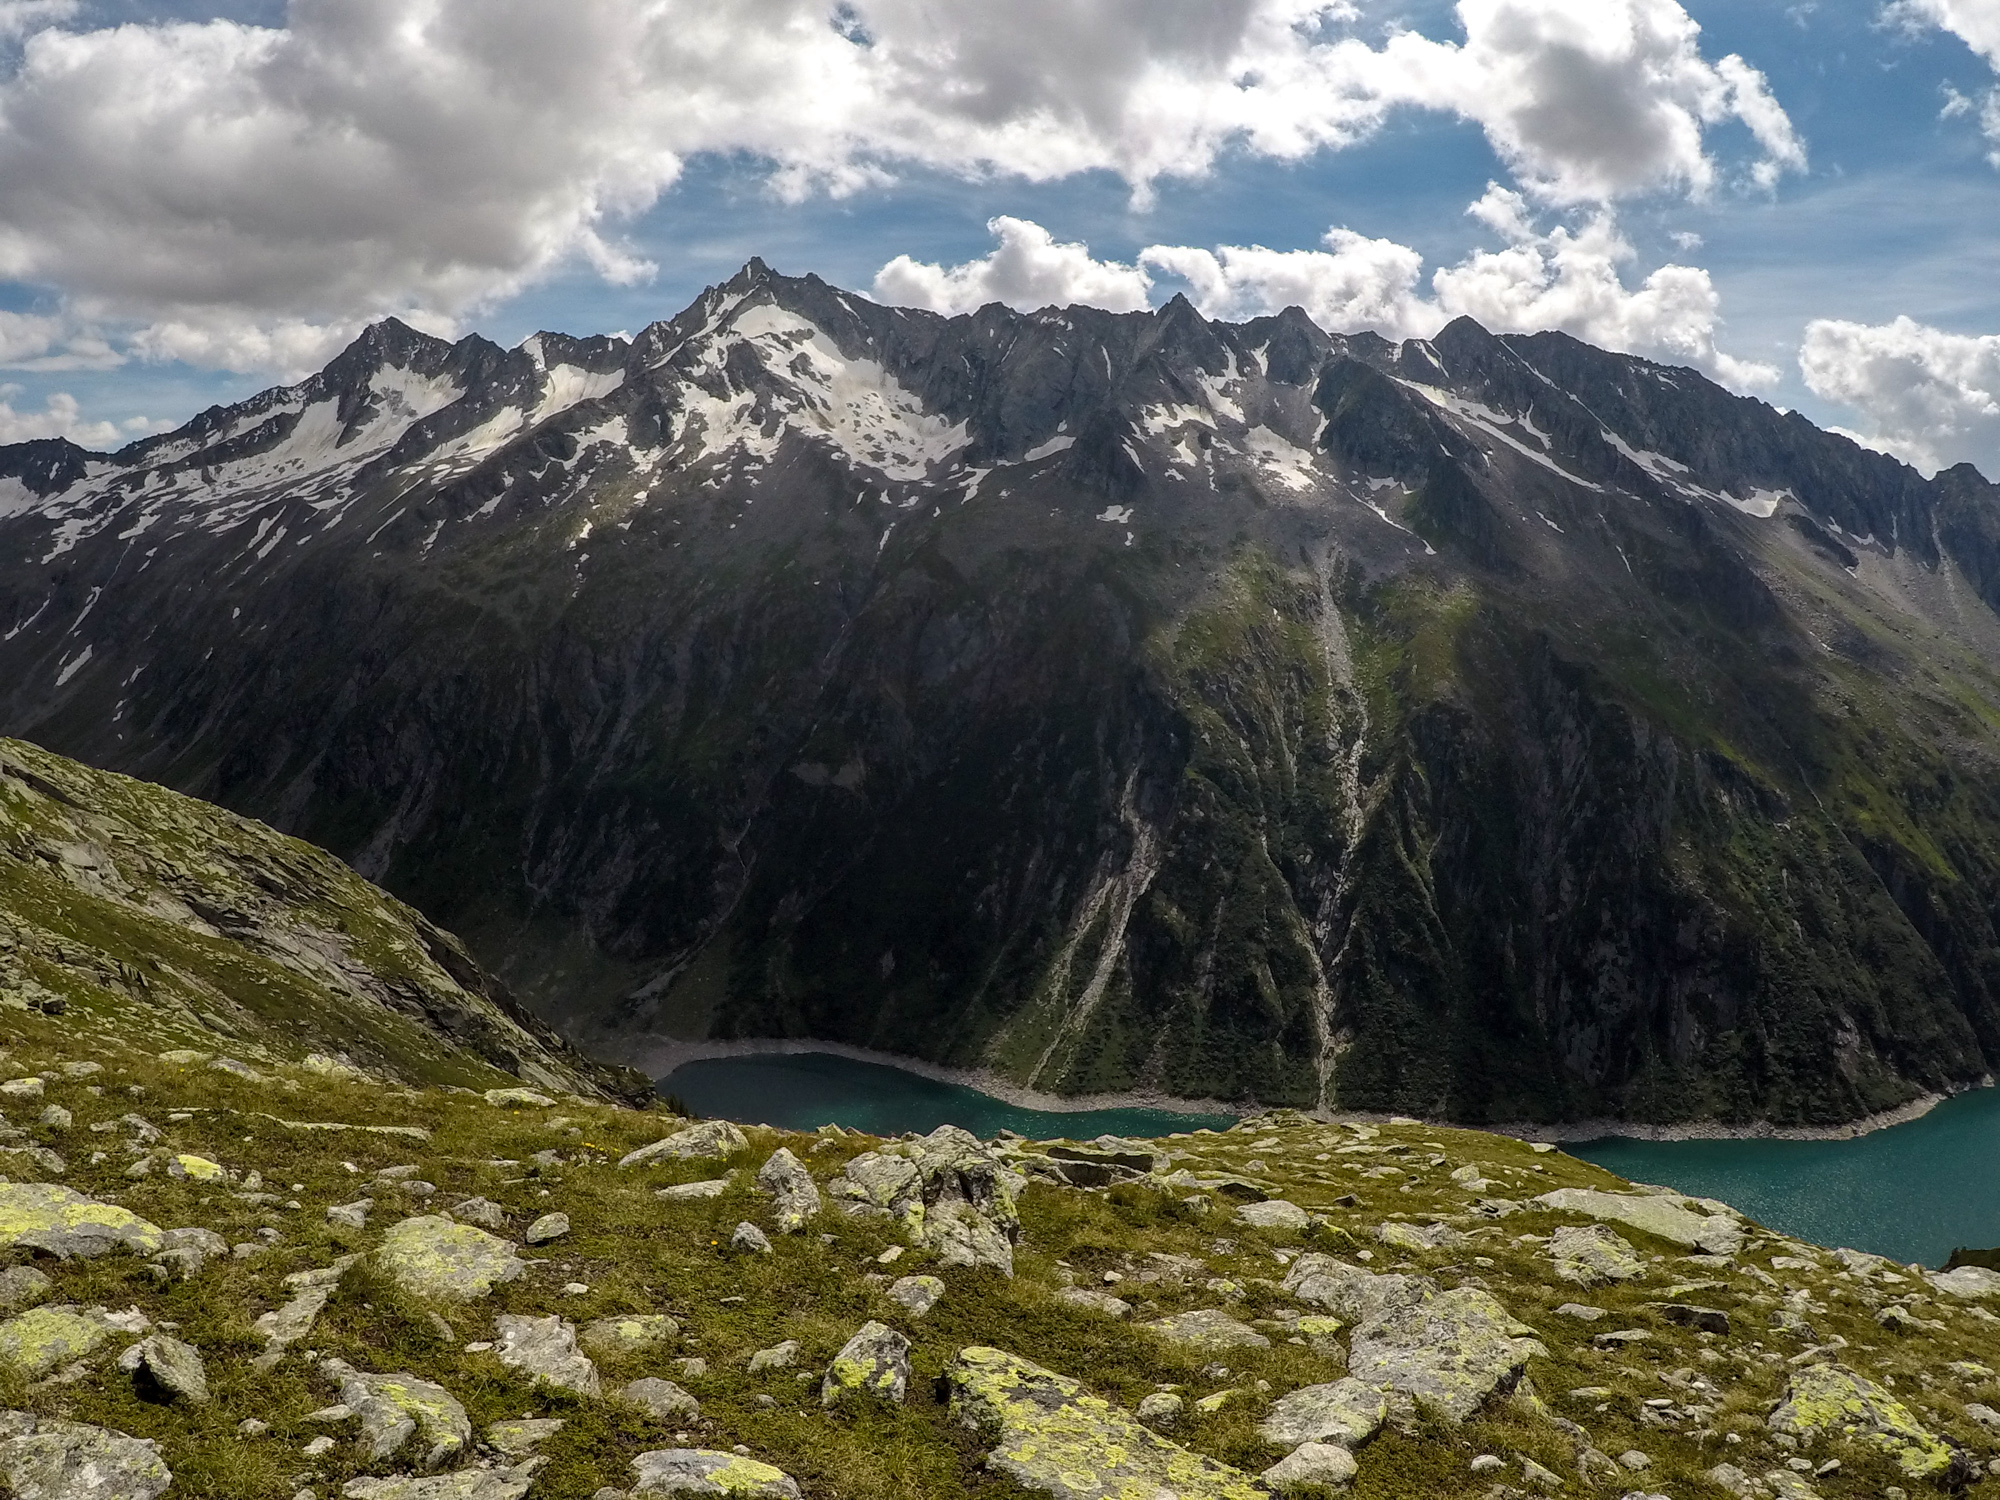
777, 1357
522, 1435
545, 1348
873, 1365
548, 1228
750, 1239
661, 1399
1667, 1215
1592, 1255
432, 1257
466, 1484
794, 1197
1311, 1466
711, 1138
1208, 1329
1351, 1292
481, 1213
700, 1471
1162, 1409
1274, 1213
286, 1325
629, 1335
1095, 1301
1346, 1413
165, 1369
45, 1459
1450, 1353
694, 1192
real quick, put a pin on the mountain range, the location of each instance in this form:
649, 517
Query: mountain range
1493, 728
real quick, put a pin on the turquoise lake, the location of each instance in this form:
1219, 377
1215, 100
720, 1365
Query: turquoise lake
805, 1090
1911, 1192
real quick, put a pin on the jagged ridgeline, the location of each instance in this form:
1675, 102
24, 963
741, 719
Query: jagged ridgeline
1484, 727
137, 914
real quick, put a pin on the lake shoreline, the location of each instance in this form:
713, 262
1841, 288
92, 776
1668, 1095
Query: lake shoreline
658, 1056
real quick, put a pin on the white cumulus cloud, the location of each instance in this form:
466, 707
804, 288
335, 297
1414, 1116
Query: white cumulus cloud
243, 195
1930, 397
62, 417
1028, 269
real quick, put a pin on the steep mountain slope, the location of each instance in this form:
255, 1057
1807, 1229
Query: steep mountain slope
1488, 727
136, 913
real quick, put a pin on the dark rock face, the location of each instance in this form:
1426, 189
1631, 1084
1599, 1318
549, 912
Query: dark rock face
1494, 727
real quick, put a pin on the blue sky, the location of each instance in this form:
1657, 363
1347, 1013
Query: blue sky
1890, 217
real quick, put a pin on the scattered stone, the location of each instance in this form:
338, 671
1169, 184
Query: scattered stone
661, 1399
1274, 1213
631, 1334
1050, 1435
1832, 1400
481, 1213
250, 1427
1351, 1292
518, 1438
1634, 1460
1618, 1338
795, 1199
917, 1295
1208, 1329
1579, 1311
546, 1349
711, 1138
750, 1239
1968, 1283
164, 1369
56, 1221
466, 1484
701, 1471
22, 1286
777, 1357
1345, 1412
288, 1324
432, 1257
1538, 1476
318, 1447
1451, 1352
1097, 1302
1162, 1409
873, 1365
55, 1117
196, 1168
45, 1459
1311, 1466
236, 1069
393, 1409
693, 1192
1667, 1215
1592, 1255
350, 1215
22, 1088
547, 1228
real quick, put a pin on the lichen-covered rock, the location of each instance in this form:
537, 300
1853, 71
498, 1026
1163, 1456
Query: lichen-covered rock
57, 1221
711, 1138
45, 1459
393, 1409
749, 1239
432, 1257
519, 1099
795, 1198
777, 1357
874, 1182
1274, 1213
1401, 1236
630, 1334
1450, 1352
1162, 1409
467, 1484
1591, 1255
522, 1435
165, 1369
481, 1213
700, 1471
661, 1399
1050, 1434
916, 1295
1833, 1401
1208, 1328
1666, 1215
47, 1338
194, 1168
1311, 1466
1351, 1292
545, 1348
873, 1365
694, 1192
1346, 1413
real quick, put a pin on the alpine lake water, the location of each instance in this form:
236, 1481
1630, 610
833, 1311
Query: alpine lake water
1912, 1192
